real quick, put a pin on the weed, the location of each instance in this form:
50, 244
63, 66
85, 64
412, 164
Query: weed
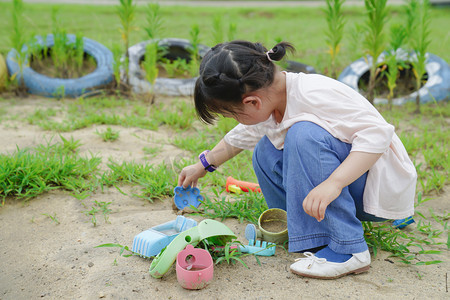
247, 207
152, 150
96, 208
53, 218
28, 173
156, 182
109, 135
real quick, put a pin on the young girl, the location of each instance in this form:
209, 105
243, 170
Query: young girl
321, 152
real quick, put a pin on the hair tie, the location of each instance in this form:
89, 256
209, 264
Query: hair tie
268, 56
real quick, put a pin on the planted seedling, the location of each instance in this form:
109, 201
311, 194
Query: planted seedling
18, 40
335, 21
374, 39
419, 22
126, 12
398, 35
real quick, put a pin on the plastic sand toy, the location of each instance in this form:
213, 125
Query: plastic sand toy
194, 267
185, 197
259, 248
402, 223
205, 229
272, 225
150, 242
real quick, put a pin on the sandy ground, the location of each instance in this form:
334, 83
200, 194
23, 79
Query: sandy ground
44, 260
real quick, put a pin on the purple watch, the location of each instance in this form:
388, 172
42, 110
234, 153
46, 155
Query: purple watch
208, 167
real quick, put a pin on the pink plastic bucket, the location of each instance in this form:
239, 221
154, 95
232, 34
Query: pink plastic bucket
195, 268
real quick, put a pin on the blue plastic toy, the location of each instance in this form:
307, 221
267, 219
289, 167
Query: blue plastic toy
258, 248
185, 197
402, 223
150, 242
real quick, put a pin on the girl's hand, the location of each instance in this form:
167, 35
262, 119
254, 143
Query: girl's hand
189, 175
317, 201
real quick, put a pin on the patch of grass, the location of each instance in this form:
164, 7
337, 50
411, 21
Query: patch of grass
245, 207
156, 182
108, 135
27, 173
101, 207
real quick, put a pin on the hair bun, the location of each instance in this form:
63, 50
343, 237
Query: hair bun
279, 51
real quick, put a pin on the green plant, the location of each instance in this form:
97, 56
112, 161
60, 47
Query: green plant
96, 208
374, 39
126, 12
232, 29
420, 37
109, 135
247, 207
398, 35
155, 24
30, 172
217, 27
335, 21
17, 37
194, 62
117, 64
156, 182
53, 218
150, 63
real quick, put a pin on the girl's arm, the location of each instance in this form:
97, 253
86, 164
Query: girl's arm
217, 156
356, 164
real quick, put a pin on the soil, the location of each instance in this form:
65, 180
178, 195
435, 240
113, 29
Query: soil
406, 83
44, 259
45, 66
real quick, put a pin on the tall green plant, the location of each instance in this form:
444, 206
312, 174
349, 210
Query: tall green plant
155, 24
126, 12
335, 21
232, 29
420, 40
150, 63
374, 39
18, 37
217, 27
194, 50
398, 35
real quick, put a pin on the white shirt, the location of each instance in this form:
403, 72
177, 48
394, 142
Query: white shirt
349, 117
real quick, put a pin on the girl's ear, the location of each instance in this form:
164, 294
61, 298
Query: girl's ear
253, 101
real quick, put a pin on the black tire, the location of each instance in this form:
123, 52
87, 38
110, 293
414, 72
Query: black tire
176, 48
39, 84
297, 67
437, 87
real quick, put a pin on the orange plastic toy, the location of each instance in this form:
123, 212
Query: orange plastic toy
234, 185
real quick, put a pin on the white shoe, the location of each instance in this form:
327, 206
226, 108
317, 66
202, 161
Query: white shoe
315, 267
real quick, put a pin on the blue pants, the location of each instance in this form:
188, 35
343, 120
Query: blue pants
286, 177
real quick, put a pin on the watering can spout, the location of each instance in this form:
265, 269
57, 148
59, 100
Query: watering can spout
205, 229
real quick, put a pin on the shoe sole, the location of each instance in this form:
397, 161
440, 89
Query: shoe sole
357, 271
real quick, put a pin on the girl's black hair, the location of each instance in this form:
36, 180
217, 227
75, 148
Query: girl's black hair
230, 70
